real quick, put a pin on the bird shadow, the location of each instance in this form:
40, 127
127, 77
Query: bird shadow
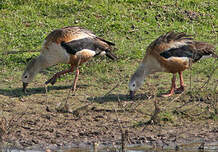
117, 98
18, 92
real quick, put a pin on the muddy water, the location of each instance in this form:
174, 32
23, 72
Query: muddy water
194, 147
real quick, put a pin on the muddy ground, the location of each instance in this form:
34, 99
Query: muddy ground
46, 119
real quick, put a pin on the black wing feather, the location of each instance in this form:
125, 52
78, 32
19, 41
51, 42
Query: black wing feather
77, 45
183, 51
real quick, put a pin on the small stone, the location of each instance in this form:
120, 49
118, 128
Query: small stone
48, 150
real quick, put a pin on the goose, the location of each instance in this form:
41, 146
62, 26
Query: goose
172, 53
68, 45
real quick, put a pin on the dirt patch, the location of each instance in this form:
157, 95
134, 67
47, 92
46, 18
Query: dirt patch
103, 113
39, 118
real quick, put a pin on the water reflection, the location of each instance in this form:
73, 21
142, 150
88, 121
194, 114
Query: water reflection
194, 147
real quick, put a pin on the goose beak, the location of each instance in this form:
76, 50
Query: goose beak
132, 94
24, 87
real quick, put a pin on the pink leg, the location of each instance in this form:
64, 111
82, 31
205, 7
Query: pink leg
75, 80
173, 86
182, 86
57, 75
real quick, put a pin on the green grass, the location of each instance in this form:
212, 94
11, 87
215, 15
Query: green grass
131, 24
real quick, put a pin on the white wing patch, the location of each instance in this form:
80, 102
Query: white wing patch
86, 52
184, 59
102, 53
206, 56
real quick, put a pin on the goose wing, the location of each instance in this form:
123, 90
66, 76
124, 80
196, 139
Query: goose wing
76, 39
182, 46
92, 46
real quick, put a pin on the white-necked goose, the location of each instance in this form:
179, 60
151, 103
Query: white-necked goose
172, 53
71, 45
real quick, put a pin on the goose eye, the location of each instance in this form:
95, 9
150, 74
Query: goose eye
25, 76
133, 85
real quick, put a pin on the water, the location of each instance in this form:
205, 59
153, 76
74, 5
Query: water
193, 147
